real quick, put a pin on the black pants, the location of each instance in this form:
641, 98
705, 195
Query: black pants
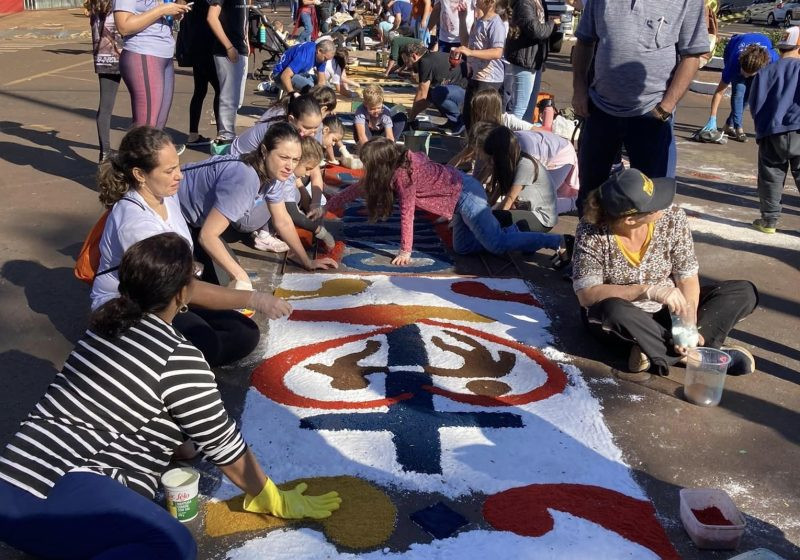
351, 32
524, 219
473, 87
300, 219
204, 73
620, 324
223, 336
213, 273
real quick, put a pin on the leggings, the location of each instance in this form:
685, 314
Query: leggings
109, 83
88, 515
300, 219
223, 336
204, 73
151, 81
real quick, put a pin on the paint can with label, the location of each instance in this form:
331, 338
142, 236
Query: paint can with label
181, 486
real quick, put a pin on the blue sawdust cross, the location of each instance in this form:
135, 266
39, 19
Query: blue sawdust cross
414, 423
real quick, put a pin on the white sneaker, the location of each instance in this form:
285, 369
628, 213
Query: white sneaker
265, 241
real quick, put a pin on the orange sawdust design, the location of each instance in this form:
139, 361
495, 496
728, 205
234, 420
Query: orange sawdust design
329, 288
345, 373
366, 518
393, 315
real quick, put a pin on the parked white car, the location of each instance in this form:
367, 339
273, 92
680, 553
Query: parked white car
771, 12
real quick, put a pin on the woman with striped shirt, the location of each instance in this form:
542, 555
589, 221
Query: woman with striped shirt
77, 479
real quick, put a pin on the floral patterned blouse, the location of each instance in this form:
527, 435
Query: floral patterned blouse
669, 257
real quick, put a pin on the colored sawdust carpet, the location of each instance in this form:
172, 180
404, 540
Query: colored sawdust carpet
365, 519
439, 389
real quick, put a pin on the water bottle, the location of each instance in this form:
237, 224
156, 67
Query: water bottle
168, 19
262, 34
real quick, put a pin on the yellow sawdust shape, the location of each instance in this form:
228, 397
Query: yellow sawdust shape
329, 288
366, 518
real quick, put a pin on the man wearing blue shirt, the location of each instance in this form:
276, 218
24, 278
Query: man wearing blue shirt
291, 72
775, 105
742, 62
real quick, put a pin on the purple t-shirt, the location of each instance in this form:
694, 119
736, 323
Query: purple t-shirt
225, 183
155, 39
379, 125
487, 34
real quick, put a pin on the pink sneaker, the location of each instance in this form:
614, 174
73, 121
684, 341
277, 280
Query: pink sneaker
265, 241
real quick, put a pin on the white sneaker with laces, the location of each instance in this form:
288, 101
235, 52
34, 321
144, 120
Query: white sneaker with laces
265, 241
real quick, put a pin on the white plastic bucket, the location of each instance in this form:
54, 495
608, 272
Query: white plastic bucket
181, 488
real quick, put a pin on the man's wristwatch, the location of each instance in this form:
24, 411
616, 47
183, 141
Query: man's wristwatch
660, 113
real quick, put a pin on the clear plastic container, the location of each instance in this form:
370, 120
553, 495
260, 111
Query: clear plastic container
683, 332
705, 375
720, 537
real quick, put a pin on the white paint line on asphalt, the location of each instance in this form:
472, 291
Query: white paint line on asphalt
49, 72
68, 77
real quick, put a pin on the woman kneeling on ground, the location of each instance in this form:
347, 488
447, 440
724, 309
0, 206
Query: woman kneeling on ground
634, 265
227, 196
140, 184
78, 478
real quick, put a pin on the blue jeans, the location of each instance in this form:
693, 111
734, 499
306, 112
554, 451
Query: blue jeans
294, 5
476, 229
740, 92
89, 515
232, 78
308, 27
421, 31
649, 141
449, 100
299, 81
522, 82
446, 46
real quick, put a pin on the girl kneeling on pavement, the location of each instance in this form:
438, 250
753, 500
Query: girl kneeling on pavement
230, 194
78, 478
392, 172
139, 184
634, 265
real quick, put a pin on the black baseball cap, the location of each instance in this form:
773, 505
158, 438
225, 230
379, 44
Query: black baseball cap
632, 192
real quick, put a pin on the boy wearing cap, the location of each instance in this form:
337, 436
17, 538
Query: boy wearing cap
634, 265
775, 105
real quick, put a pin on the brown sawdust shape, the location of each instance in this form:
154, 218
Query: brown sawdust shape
329, 288
366, 518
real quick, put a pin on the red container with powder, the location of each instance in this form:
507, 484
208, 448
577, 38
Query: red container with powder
711, 518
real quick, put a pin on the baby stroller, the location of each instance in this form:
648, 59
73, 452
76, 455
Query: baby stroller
272, 43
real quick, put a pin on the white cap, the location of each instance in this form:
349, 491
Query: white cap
790, 39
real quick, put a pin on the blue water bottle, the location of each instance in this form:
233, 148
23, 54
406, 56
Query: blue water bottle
168, 19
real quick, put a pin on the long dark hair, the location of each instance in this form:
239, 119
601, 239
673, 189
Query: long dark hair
502, 147
276, 134
381, 158
139, 148
151, 274
486, 106
324, 96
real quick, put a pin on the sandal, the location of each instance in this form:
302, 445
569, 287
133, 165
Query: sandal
564, 254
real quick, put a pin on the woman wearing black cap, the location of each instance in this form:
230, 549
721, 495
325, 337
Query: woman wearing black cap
634, 265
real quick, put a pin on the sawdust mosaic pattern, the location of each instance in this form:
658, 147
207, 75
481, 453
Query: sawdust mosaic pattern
365, 519
371, 247
420, 386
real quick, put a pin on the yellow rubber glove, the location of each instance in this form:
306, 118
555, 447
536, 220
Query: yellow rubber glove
292, 504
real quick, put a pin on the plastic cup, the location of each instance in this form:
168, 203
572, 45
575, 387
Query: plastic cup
181, 489
705, 375
417, 140
684, 333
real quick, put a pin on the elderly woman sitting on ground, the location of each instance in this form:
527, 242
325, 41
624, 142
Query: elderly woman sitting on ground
635, 267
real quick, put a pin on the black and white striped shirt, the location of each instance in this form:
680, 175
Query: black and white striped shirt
120, 407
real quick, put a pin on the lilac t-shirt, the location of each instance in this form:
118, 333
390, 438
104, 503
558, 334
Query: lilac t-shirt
155, 39
487, 34
542, 145
249, 140
380, 124
225, 183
